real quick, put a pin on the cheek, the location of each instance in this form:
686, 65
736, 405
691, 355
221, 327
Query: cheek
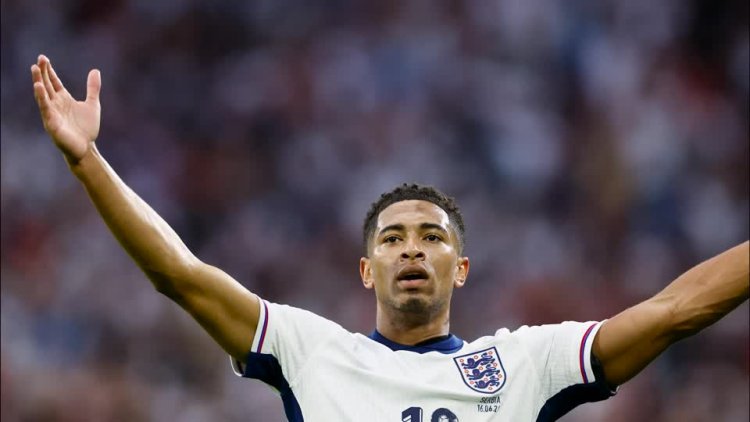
445, 264
379, 268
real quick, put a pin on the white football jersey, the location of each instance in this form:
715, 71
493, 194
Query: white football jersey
326, 373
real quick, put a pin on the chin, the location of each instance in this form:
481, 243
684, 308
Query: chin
414, 305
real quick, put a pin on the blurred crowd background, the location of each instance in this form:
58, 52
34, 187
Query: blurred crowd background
597, 148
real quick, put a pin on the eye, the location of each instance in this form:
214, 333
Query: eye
391, 239
433, 238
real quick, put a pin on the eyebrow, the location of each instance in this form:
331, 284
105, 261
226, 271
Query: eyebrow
423, 226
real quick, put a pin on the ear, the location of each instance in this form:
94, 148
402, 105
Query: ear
365, 271
462, 271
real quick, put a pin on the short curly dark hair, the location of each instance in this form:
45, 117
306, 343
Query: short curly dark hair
416, 191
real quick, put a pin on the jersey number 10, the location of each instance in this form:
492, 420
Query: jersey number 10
414, 414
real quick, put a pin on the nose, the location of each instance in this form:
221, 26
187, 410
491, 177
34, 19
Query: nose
412, 251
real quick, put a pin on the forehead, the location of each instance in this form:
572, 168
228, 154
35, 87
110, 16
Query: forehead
413, 211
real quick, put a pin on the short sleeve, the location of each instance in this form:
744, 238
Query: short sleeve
561, 353
286, 337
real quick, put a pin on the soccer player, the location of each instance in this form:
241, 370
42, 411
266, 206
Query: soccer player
411, 368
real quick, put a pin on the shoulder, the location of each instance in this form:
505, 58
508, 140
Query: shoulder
288, 314
291, 325
564, 329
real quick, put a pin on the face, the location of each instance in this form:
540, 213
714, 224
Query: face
414, 264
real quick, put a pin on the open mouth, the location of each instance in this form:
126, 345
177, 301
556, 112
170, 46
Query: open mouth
412, 277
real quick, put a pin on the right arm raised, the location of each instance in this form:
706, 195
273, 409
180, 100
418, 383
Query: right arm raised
224, 308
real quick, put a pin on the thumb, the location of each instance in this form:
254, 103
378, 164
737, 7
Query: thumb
93, 85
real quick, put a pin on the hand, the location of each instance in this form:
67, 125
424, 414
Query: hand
73, 125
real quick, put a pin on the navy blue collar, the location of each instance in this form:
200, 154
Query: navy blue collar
446, 345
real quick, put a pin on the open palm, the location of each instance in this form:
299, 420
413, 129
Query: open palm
73, 125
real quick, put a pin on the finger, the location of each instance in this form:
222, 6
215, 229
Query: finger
45, 78
39, 92
36, 74
93, 85
42, 99
56, 82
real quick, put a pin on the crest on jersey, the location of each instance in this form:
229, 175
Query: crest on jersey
482, 371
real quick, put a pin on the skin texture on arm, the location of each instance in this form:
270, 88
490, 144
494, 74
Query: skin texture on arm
225, 309
628, 342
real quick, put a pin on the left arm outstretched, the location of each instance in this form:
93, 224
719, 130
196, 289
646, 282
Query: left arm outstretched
628, 342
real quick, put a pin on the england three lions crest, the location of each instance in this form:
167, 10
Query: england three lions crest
482, 371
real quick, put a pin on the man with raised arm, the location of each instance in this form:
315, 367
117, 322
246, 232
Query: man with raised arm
410, 368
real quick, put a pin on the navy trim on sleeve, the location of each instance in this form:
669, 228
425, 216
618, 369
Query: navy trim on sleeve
266, 368
569, 398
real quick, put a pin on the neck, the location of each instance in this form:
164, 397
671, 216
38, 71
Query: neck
408, 329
